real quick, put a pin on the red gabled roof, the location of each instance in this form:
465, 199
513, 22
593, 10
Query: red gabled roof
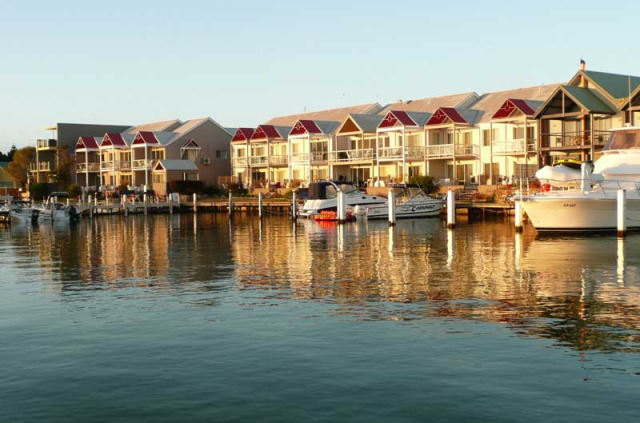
511, 105
86, 143
304, 126
145, 137
443, 113
243, 134
394, 117
114, 139
191, 143
265, 132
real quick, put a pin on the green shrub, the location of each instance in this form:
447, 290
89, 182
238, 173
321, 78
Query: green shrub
74, 190
38, 191
185, 187
427, 183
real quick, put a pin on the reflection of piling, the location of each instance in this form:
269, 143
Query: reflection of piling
391, 200
622, 213
124, 204
294, 206
260, 205
451, 209
144, 199
518, 216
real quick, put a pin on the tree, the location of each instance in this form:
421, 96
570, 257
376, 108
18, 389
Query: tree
62, 175
19, 165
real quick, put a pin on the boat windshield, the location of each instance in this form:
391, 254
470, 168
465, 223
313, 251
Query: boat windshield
347, 188
624, 140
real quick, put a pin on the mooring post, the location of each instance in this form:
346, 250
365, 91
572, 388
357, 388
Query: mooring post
391, 200
230, 205
195, 202
342, 207
170, 202
68, 202
451, 209
260, 205
519, 217
294, 206
622, 214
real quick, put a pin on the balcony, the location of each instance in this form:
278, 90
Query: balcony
396, 153
239, 161
347, 156
299, 157
574, 140
87, 167
40, 167
50, 144
259, 160
446, 151
117, 166
319, 157
516, 146
144, 164
278, 160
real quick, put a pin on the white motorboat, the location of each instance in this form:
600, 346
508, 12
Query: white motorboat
411, 202
59, 212
593, 205
20, 211
323, 195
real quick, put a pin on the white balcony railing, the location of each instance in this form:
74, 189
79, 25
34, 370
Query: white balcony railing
143, 164
517, 146
319, 157
352, 155
40, 167
410, 152
46, 144
440, 151
467, 150
240, 161
120, 165
278, 160
88, 167
299, 157
259, 160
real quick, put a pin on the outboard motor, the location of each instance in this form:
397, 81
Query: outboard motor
35, 214
72, 213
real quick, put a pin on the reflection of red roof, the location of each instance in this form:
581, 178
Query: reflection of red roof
243, 134
87, 143
304, 126
511, 105
145, 137
115, 140
446, 113
266, 131
394, 117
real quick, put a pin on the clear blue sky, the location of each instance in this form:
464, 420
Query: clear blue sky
242, 62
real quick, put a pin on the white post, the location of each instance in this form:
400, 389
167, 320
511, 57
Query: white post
144, 199
95, 200
518, 218
260, 205
342, 207
294, 206
195, 202
68, 202
170, 202
451, 209
622, 212
124, 204
391, 200
230, 205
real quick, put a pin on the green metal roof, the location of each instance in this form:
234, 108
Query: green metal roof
587, 99
616, 85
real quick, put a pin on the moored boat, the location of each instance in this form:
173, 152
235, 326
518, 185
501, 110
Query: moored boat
323, 195
411, 202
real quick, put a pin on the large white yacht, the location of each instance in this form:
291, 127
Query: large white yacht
593, 205
323, 195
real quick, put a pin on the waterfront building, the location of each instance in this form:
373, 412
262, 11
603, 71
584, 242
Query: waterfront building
87, 160
353, 153
309, 144
269, 155
576, 119
115, 160
240, 167
64, 137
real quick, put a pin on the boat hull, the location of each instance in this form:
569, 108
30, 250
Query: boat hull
405, 211
579, 214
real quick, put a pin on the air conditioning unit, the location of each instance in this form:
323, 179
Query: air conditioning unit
206, 160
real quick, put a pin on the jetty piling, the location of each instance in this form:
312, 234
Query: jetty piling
260, 205
451, 209
230, 205
342, 207
195, 203
519, 216
391, 199
294, 208
622, 213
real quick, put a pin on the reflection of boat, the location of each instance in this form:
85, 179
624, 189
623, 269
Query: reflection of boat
332, 216
323, 195
411, 202
593, 205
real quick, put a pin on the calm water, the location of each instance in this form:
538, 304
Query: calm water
189, 318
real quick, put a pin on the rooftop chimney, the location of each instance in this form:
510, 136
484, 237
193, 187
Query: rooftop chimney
583, 64
583, 80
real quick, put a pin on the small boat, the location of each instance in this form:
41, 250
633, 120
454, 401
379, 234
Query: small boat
332, 216
323, 195
22, 211
411, 202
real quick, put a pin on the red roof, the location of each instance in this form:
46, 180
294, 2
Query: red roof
394, 116
113, 139
145, 137
87, 143
265, 132
304, 126
446, 113
243, 134
511, 105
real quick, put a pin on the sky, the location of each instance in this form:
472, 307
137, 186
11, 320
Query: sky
243, 62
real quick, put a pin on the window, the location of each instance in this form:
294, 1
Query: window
158, 178
189, 176
518, 133
189, 154
486, 137
224, 154
157, 154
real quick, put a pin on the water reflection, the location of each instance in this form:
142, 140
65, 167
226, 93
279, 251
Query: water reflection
581, 292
